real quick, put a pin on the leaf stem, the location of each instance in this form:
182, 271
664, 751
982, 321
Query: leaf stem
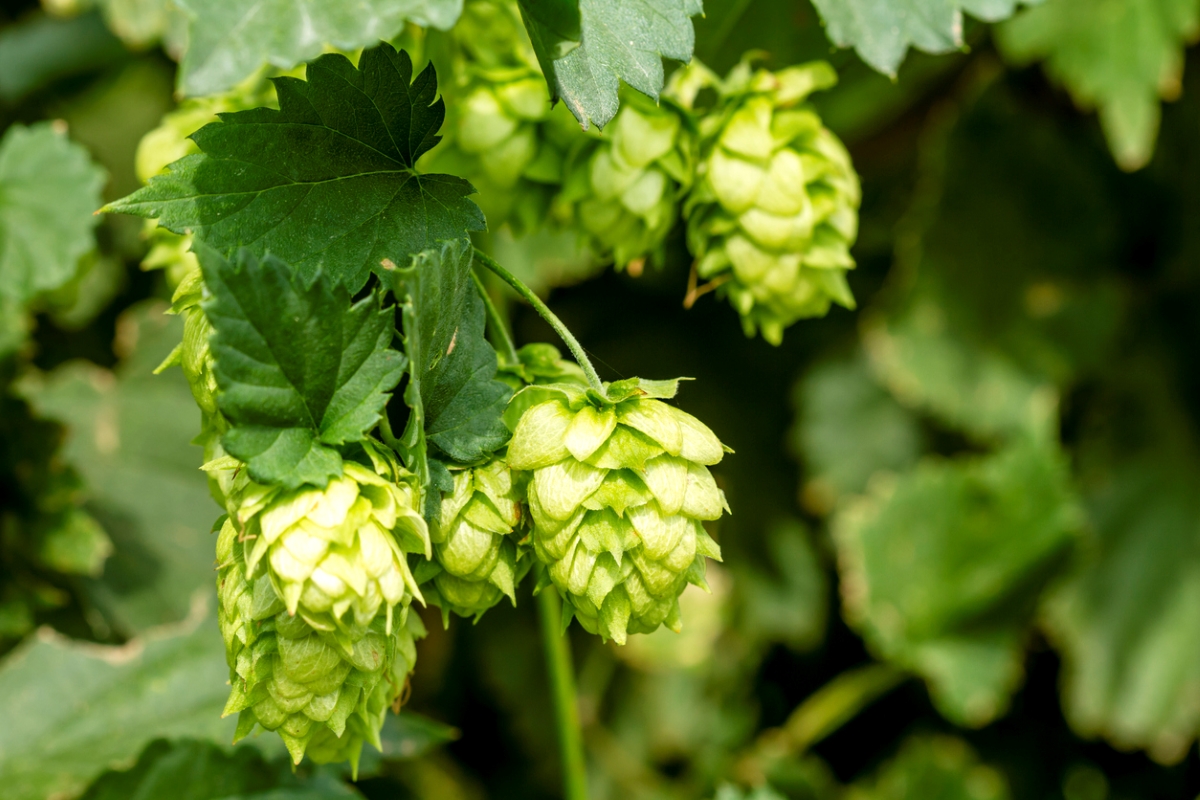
389, 438
568, 338
562, 683
497, 324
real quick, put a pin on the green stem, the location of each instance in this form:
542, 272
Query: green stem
497, 324
562, 683
572, 343
389, 438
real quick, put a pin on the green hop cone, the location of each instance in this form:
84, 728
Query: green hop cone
336, 556
501, 132
285, 676
618, 490
541, 363
622, 188
476, 559
775, 209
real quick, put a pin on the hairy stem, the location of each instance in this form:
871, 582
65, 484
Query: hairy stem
562, 683
568, 338
497, 324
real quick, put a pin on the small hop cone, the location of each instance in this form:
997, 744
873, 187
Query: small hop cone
622, 188
335, 556
775, 209
502, 133
541, 364
476, 559
322, 699
618, 491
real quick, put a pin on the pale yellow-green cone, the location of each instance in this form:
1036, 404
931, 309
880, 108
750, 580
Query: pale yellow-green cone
477, 561
618, 490
622, 187
336, 556
501, 132
775, 207
287, 677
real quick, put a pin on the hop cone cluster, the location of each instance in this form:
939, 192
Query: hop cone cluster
775, 208
501, 132
623, 188
477, 561
322, 695
618, 489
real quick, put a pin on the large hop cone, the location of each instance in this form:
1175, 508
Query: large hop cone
501, 132
618, 490
775, 208
322, 697
477, 561
336, 556
622, 188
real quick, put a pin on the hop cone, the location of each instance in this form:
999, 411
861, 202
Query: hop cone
477, 561
336, 556
775, 209
501, 133
618, 488
541, 363
322, 697
622, 188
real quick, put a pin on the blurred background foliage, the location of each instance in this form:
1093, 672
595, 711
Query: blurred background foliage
965, 555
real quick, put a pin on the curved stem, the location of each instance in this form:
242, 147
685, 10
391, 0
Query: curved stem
568, 338
566, 708
497, 324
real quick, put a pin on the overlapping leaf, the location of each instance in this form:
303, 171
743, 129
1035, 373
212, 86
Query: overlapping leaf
618, 40
301, 370
941, 569
327, 182
1119, 56
49, 188
453, 392
881, 31
229, 39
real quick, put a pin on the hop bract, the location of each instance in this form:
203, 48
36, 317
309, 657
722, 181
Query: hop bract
618, 489
322, 698
335, 556
477, 561
623, 187
775, 209
502, 133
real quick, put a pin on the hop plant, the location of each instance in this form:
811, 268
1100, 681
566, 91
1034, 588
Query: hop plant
618, 490
322, 697
775, 208
622, 189
541, 363
477, 561
335, 556
502, 133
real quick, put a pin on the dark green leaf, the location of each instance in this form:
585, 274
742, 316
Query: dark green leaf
620, 40
301, 369
327, 182
931, 767
942, 568
229, 39
455, 397
74, 710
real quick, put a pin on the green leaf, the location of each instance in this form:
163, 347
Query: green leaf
300, 368
228, 40
455, 397
49, 189
942, 567
327, 182
789, 603
192, 770
73, 710
930, 767
848, 428
881, 31
1119, 56
619, 40
129, 435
